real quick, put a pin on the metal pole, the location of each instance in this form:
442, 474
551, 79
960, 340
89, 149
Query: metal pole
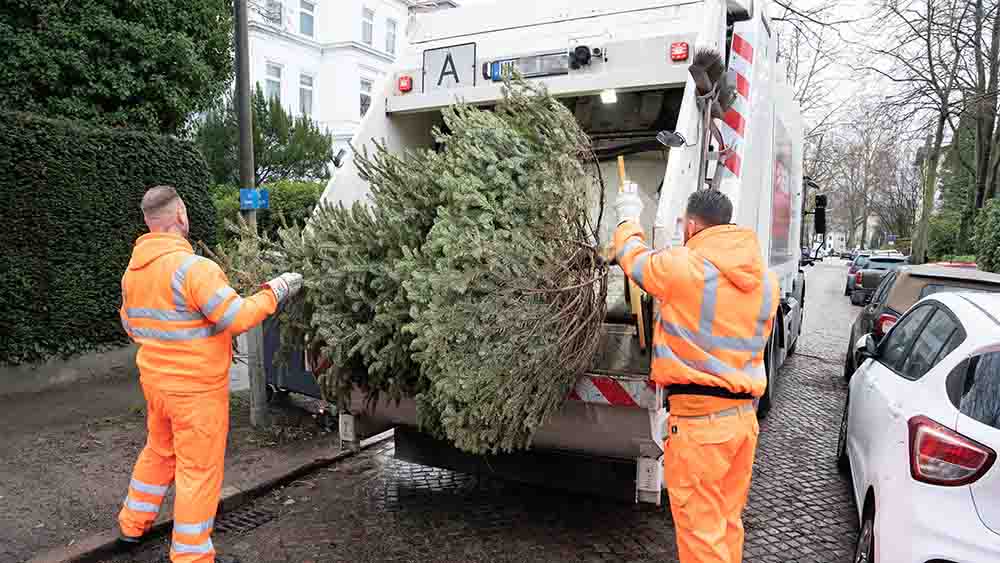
255, 338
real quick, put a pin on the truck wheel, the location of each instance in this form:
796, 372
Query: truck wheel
764, 404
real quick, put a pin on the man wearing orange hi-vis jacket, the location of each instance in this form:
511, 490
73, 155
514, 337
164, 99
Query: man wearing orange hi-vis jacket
717, 303
180, 310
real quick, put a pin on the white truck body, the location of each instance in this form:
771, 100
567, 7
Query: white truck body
455, 55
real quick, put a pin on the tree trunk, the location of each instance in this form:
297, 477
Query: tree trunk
930, 187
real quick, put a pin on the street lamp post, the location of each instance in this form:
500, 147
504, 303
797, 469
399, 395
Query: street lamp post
255, 338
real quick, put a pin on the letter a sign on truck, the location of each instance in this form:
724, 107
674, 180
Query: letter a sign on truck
450, 67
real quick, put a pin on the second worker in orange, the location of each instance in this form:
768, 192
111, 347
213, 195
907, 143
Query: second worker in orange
717, 304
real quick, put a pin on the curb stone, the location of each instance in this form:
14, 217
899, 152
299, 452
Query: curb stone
96, 547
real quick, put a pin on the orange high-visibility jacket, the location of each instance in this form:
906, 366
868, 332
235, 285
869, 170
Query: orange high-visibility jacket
181, 311
717, 307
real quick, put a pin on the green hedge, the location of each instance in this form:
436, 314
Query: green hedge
987, 238
70, 194
292, 200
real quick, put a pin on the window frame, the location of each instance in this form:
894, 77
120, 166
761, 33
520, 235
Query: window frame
368, 25
366, 92
311, 88
934, 306
311, 14
270, 79
882, 291
957, 327
884, 343
958, 387
270, 15
391, 31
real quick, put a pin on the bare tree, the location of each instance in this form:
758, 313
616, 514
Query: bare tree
923, 56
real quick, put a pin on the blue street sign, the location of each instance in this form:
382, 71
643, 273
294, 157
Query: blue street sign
254, 199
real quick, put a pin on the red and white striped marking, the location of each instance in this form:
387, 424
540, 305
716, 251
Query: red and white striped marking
603, 390
735, 121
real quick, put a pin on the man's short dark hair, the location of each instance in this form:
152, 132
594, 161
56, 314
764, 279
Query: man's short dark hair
711, 207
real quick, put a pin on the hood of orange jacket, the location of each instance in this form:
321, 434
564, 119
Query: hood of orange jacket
155, 245
735, 251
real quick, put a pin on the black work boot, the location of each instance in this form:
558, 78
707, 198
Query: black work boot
129, 541
226, 559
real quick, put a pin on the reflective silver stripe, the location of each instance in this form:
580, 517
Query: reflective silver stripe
125, 325
205, 547
177, 284
161, 315
710, 365
194, 529
175, 335
230, 315
216, 300
638, 268
710, 342
630, 245
709, 296
147, 488
139, 506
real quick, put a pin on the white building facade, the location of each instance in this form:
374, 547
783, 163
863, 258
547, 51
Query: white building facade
324, 58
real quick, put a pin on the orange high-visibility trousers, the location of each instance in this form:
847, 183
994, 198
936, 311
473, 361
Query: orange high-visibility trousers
708, 462
186, 445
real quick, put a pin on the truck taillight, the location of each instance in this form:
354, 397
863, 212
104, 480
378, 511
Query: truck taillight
405, 84
884, 323
859, 278
941, 456
678, 51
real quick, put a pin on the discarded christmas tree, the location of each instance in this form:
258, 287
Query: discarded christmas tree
471, 281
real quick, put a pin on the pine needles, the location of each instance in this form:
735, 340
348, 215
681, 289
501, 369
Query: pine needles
472, 282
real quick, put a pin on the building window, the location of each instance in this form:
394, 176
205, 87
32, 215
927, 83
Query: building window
390, 37
368, 26
366, 96
272, 12
272, 81
306, 94
307, 14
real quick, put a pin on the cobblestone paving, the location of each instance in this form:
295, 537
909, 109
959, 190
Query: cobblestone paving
373, 508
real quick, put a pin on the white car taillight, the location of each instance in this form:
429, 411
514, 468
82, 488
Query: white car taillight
941, 456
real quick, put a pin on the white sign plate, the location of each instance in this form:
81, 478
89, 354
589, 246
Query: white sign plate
450, 67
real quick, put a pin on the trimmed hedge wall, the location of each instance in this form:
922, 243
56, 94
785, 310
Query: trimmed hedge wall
986, 240
69, 197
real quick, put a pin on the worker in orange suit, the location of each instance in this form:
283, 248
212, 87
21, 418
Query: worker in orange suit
717, 303
182, 313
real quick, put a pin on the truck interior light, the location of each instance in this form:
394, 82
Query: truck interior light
609, 97
671, 139
580, 56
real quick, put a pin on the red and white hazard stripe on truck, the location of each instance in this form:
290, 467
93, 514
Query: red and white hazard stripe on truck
611, 391
735, 121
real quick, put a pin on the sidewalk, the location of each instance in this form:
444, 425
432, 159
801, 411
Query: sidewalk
66, 455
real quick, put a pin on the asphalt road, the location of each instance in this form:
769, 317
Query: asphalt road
374, 508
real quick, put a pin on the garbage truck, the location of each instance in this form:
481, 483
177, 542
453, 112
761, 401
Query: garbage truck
622, 68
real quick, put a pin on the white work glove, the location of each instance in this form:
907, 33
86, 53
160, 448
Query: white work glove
285, 286
628, 205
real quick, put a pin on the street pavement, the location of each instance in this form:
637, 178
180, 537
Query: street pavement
374, 508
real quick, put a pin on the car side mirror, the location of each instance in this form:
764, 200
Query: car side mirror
866, 347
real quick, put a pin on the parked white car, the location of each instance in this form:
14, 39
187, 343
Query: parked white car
921, 431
